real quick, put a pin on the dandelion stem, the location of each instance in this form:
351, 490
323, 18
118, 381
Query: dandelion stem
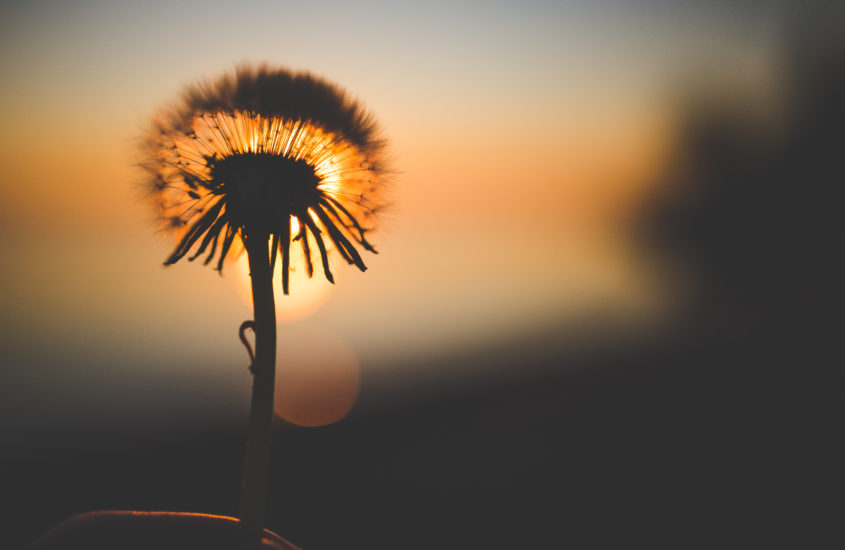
253, 509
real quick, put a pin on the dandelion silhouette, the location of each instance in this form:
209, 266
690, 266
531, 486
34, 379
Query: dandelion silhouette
266, 160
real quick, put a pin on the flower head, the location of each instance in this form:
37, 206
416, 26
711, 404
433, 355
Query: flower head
267, 153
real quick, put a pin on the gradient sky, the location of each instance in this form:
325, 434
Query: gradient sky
523, 134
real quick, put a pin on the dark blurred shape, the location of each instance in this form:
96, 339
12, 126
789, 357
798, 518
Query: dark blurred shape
128, 530
749, 206
750, 220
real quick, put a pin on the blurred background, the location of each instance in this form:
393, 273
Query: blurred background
606, 312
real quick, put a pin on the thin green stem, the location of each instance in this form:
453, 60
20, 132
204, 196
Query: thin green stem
254, 495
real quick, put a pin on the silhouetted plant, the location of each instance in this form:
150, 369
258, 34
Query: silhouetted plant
266, 157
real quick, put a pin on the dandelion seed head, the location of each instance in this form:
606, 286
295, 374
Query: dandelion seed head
267, 152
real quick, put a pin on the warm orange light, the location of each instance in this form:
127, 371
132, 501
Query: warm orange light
317, 377
308, 297
337, 163
197, 186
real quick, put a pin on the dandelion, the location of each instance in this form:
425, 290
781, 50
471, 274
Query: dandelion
266, 152
267, 161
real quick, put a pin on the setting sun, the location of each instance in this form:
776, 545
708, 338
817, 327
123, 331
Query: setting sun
317, 377
311, 293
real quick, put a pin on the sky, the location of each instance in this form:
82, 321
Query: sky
524, 137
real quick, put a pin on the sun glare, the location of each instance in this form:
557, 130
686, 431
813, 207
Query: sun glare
311, 293
339, 165
216, 135
317, 377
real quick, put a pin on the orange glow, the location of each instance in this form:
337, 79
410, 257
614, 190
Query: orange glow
184, 155
338, 164
308, 294
317, 378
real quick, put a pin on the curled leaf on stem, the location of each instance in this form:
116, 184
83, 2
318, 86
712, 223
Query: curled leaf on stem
248, 325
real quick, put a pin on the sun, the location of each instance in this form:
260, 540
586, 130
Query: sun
311, 292
318, 377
